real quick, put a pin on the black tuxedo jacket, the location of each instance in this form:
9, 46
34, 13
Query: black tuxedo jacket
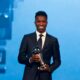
50, 50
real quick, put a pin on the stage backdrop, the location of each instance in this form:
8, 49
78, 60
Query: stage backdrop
63, 22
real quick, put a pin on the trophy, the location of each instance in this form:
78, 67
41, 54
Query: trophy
37, 50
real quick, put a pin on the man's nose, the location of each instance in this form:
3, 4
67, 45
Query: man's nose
41, 23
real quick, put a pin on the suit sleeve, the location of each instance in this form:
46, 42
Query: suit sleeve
23, 57
56, 56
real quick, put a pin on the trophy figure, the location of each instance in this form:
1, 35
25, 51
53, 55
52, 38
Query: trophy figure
38, 51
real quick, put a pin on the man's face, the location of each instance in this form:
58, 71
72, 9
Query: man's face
41, 23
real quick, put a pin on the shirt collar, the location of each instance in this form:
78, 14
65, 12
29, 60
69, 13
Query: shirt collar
38, 33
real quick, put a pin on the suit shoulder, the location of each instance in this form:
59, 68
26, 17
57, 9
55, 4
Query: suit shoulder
29, 35
52, 37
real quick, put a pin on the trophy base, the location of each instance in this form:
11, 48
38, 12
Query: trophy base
41, 68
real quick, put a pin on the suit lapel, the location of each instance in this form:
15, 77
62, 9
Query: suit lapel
46, 41
34, 38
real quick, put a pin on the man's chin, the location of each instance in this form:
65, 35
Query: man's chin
41, 30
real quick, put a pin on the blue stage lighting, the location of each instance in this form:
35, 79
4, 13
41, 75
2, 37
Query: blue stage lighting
5, 26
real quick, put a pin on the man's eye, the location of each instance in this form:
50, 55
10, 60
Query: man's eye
38, 21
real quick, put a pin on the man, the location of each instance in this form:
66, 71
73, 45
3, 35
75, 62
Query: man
49, 49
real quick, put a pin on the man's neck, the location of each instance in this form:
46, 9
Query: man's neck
40, 32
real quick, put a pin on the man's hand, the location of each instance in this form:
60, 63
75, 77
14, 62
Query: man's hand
35, 58
46, 68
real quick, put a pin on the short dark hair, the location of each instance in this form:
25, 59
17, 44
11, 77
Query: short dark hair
41, 13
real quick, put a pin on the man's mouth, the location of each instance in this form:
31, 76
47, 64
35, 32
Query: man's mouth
41, 27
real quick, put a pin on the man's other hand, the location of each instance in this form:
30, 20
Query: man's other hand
35, 58
46, 68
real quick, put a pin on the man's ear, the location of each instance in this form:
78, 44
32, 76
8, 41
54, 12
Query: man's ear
47, 22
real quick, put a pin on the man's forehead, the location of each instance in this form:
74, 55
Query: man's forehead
41, 16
